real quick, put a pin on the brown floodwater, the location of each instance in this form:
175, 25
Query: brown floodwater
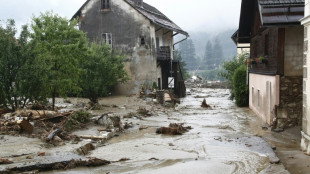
223, 141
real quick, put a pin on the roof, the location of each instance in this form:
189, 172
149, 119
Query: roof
272, 13
150, 13
279, 2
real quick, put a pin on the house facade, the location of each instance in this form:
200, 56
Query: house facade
139, 31
305, 140
275, 35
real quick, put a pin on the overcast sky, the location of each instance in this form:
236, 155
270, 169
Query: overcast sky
190, 15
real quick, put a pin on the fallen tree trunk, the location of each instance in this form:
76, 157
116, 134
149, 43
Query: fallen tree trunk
91, 162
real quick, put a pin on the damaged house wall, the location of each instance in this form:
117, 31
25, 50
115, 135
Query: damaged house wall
138, 30
132, 33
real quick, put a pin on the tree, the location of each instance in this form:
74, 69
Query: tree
241, 89
218, 52
208, 54
188, 53
20, 82
59, 46
103, 69
229, 68
177, 56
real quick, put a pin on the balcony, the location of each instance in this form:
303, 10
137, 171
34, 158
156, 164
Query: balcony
164, 53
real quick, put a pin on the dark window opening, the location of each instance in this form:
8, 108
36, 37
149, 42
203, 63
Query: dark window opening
105, 4
142, 41
107, 38
157, 42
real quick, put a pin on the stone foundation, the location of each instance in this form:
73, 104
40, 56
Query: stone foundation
305, 143
289, 112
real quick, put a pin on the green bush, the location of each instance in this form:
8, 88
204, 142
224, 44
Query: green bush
241, 90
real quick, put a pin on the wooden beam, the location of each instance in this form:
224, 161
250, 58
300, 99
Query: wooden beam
167, 32
158, 29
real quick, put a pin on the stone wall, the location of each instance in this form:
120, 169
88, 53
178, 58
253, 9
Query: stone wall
289, 112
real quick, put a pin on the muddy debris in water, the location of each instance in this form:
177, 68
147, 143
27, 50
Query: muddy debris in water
155, 159
123, 159
5, 161
143, 127
85, 149
174, 129
63, 165
128, 125
204, 104
144, 112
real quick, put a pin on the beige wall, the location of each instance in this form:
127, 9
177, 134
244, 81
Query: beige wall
264, 101
293, 51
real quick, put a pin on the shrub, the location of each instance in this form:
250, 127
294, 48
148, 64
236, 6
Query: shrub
241, 90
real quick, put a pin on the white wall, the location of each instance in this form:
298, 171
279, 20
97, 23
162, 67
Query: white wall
264, 103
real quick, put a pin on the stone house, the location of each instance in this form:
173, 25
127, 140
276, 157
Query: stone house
305, 141
138, 30
273, 29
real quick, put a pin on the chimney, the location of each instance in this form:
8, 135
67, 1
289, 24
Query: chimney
138, 2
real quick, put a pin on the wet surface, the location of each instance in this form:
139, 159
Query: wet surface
224, 139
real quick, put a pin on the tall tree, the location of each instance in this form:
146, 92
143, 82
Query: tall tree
208, 54
188, 53
60, 47
177, 56
20, 75
218, 52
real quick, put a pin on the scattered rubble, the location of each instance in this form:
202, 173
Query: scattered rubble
173, 129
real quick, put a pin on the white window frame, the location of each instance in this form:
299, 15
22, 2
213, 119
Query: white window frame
107, 38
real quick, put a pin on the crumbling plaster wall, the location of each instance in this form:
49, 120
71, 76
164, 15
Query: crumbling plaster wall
127, 26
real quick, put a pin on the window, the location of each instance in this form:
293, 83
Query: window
258, 98
105, 4
253, 96
157, 42
107, 38
142, 41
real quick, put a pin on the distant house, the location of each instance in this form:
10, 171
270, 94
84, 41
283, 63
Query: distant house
141, 32
275, 34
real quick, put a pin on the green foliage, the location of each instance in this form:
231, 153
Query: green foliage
241, 90
20, 81
177, 56
59, 46
76, 119
229, 68
103, 69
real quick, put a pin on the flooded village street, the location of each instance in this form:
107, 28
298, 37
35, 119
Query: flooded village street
222, 141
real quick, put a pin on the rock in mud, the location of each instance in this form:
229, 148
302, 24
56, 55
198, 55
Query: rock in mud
204, 104
26, 126
173, 129
84, 150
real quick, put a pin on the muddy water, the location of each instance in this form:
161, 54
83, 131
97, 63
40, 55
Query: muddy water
221, 141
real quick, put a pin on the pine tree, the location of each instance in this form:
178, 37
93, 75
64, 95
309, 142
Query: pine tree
208, 54
188, 53
218, 52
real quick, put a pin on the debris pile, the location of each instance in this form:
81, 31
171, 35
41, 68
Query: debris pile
174, 129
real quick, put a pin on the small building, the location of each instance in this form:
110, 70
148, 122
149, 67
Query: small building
242, 48
142, 33
273, 30
305, 141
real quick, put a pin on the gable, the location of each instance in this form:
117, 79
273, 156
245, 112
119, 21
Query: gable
150, 12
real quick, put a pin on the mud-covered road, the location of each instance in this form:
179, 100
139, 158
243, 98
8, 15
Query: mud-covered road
221, 141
